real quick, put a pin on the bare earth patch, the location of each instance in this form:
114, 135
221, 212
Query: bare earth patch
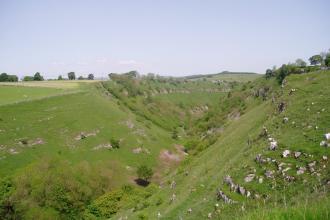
168, 160
139, 150
83, 134
103, 146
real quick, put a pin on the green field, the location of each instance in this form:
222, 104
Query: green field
15, 94
56, 161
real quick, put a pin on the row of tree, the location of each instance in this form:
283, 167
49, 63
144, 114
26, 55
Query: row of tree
317, 62
4, 77
72, 76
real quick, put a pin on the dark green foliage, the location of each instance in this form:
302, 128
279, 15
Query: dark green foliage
316, 59
37, 77
60, 77
115, 143
144, 172
327, 60
71, 76
4, 77
300, 66
80, 78
282, 73
90, 77
127, 197
7, 209
269, 73
129, 75
51, 187
28, 78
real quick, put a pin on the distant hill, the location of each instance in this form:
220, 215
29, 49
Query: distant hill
218, 74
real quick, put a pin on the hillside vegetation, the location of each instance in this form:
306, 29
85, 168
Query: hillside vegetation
229, 180
224, 147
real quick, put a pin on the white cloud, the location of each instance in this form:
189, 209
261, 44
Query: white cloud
128, 62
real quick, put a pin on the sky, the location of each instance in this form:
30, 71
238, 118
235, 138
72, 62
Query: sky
167, 37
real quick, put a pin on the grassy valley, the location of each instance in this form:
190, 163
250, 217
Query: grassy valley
72, 150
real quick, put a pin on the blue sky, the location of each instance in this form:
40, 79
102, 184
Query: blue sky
165, 37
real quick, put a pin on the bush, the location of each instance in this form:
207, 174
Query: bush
144, 173
115, 143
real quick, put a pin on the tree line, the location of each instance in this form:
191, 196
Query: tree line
4, 77
317, 62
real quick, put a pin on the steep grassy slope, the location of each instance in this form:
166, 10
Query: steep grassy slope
32, 130
281, 197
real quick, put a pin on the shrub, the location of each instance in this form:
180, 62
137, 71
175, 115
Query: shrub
144, 173
115, 143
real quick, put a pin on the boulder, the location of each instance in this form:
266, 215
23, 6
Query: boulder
324, 144
241, 190
259, 159
249, 177
301, 170
297, 154
228, 180
327, 136
289, 178
286, 153
173, 184
311, 166
221, 195
285, 119
269, 174
273, 145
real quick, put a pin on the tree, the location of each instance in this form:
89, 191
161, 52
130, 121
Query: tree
315, 60
37, 77
71, 76
327, 60
300, 63
144, 173
132, 74
28, 78
3, 77
112, 75
80, 78
60, 77
90, 77
12, 78
283, 72
269, 73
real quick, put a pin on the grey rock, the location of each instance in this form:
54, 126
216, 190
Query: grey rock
249, 177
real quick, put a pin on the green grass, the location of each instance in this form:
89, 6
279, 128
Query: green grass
231, 155
58, 120
156, 108
14, 94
